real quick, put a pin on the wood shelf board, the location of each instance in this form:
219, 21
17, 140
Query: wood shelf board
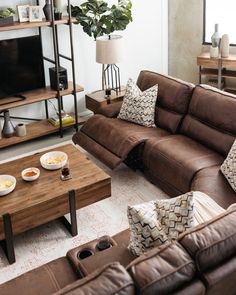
27, 25
36, 96
214, 72
37, 129
204, 59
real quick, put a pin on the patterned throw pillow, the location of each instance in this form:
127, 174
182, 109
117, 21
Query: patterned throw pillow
176, 215
228, 168
139, 107
145, 230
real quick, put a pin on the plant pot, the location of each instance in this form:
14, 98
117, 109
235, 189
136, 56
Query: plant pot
6, 21
58, 15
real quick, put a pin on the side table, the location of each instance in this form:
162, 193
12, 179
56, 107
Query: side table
97, 99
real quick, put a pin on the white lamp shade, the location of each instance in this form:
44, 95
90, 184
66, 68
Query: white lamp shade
109, 51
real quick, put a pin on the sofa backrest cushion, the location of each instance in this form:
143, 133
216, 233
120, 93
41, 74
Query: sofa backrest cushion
211, 118
213, 242
162, 271
110, 279
172, 101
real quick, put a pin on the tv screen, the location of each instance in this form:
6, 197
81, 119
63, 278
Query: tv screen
21, 66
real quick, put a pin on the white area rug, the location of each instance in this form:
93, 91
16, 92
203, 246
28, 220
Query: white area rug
50, 241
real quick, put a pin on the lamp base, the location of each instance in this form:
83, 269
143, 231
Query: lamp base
111, 78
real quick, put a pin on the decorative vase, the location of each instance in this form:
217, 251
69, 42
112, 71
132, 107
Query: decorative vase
47, 10
58, 4
20, 130
8, 128
214, 52
215, 38
225, 45
6, 21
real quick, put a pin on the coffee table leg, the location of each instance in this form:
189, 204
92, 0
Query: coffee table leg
7, 244
72, 226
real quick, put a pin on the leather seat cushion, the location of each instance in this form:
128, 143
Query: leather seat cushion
118, 136
176, 159
43, 280
110, 279
162, 271
206, 241
212, 182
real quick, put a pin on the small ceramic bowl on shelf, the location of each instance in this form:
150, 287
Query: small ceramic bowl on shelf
30, 174
7, 184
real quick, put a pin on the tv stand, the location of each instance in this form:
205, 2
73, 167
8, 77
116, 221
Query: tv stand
40, 127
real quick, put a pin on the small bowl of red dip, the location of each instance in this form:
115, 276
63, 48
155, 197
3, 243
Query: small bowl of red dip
30, 174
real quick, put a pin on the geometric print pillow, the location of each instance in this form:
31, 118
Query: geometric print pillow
176, 215
228, 168
146, 232
139, 107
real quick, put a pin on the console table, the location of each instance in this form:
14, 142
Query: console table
218, 68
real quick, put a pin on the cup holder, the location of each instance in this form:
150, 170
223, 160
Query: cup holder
104, 243
85, 253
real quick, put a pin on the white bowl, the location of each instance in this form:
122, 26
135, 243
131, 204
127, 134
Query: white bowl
6, 191
53, 155
30, 178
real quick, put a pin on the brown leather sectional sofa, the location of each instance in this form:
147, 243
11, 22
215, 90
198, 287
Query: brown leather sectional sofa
195, 128
202, 261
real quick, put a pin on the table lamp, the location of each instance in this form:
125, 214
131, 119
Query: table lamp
109, 52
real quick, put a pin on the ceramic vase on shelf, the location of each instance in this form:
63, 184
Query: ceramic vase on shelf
8, 128
225, 45
215, 38
47, 10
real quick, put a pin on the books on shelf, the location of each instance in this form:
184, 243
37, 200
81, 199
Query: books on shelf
67, 119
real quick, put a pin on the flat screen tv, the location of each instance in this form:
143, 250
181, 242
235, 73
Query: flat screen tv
21, 66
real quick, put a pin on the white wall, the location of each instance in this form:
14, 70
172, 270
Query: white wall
146, 42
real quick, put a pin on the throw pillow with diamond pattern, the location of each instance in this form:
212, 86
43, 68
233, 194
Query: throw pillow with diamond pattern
176, 215
139, 107
228, 168
145, 230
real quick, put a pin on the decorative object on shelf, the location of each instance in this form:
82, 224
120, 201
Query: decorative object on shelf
47, 10
57, 14
8, 128
214, 52
63, 80
23, 13
67, 119
109, 52
215, 38
6, 16
224, 46
20, 129
58, 5
35, 13
98, 19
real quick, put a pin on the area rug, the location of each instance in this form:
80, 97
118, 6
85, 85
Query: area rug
45, 243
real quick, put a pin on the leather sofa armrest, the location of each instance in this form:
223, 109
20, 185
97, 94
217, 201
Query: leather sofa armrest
110, 110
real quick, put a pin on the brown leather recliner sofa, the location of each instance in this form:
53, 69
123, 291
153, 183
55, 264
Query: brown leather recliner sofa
202, 261
195, 128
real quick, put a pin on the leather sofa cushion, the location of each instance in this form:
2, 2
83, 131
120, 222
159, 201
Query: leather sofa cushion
212, 242
110, 279
175, 159
211, 118
221, 280
162, 271
194, 288
43, 280
118, 136
212, 182
172, 101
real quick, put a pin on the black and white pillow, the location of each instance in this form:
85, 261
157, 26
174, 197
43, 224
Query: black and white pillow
139, 107
228, 168
146, 232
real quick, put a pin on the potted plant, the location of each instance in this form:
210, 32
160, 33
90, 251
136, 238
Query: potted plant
98, 19
6, 16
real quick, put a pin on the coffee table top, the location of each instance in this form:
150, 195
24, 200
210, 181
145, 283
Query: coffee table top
85, 175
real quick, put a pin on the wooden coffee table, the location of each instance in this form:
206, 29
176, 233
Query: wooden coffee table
48, 198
